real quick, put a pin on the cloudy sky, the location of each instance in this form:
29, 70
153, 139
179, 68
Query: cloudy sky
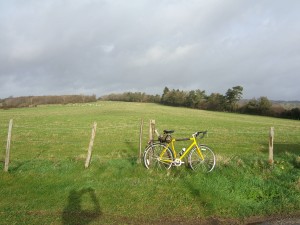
54, 47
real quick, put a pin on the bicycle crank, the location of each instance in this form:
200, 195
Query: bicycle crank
177, 162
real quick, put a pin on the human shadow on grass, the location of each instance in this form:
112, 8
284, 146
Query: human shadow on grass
74, 212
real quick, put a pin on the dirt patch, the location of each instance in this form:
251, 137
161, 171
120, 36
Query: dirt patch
293, 219
271, 220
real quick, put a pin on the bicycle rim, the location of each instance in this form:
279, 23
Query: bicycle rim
204, 165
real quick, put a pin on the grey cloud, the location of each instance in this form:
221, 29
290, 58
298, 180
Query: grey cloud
99, 47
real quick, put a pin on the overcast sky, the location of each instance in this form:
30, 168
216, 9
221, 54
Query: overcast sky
54, 47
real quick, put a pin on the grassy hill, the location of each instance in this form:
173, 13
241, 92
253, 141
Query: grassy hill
47, 182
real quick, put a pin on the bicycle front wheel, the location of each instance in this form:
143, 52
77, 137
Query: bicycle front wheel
158, 156
205, 164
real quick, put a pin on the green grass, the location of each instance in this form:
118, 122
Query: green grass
47, 182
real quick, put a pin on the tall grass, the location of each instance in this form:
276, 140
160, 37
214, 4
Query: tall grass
47, 182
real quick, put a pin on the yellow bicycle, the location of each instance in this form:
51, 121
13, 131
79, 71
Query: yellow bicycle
161, 154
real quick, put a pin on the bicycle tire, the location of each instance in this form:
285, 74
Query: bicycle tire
196, 162
153, 160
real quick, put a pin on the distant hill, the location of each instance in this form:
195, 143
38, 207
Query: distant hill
287, 104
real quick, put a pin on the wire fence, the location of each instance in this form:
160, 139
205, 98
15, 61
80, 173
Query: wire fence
122, 141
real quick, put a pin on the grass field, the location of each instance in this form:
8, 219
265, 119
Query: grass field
48, 184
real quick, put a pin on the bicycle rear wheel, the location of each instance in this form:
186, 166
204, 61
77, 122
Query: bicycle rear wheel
197, 163
158, 156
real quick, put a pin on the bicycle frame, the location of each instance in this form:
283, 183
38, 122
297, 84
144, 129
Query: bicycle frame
171, 145
162, 154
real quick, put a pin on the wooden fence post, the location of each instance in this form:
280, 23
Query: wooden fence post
8, 146
88, 158
151, 130
271, 141
141, 138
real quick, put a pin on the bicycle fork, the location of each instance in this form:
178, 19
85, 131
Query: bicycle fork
199, 152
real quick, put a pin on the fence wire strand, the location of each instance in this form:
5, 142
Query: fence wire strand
123, 140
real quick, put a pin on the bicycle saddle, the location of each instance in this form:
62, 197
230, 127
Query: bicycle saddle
169, 131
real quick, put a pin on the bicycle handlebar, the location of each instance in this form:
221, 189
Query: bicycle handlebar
194, 135
200, 132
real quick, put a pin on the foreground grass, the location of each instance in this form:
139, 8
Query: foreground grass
47, 182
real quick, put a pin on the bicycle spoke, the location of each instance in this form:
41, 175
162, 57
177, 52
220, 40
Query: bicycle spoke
198, 164
157, 156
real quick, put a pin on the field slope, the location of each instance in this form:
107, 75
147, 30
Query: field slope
48, 184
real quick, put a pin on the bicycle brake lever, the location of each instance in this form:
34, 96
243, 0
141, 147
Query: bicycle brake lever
203, 133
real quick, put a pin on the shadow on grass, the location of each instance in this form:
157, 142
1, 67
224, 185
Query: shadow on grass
20, 165
74, 212
282, 148
292, 151
135, 159
286, 151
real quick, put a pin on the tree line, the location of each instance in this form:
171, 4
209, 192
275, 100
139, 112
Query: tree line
132, 97
32, 101
231, 101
